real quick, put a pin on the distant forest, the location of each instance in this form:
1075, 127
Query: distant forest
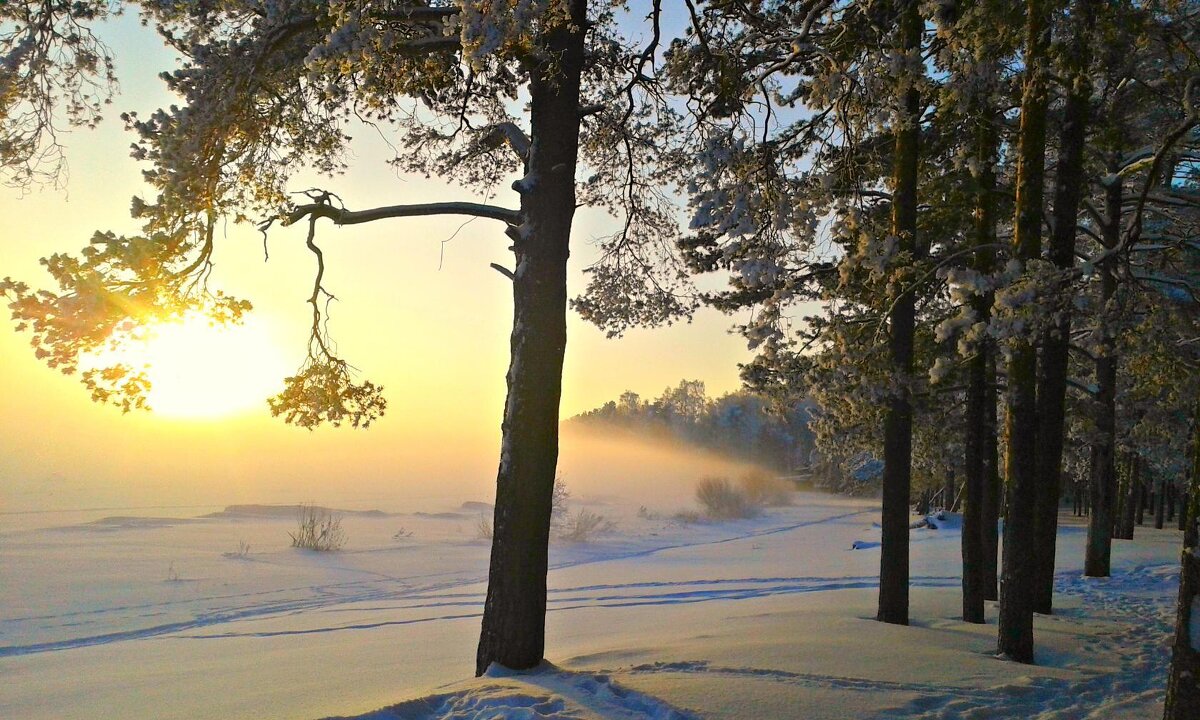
741, 425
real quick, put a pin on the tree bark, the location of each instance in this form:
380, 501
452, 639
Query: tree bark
514, 616
980, 419
993, 490
1131, 492
1055, 342
897, 423
1160, 505
1183, 679
1102, 495
1016, 584
1140, 493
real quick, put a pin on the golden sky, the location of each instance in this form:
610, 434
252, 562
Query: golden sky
437, 339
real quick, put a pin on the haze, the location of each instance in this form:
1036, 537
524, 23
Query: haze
418, 312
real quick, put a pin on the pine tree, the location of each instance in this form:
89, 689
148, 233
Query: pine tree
267, 90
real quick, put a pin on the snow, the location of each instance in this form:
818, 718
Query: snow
129, 616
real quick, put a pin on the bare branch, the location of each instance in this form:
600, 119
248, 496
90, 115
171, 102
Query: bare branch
341, 216
503, 271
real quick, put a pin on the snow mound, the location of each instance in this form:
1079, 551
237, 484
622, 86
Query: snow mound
544, 693
941, 520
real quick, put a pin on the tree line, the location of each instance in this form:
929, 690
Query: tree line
993, 204
739, 425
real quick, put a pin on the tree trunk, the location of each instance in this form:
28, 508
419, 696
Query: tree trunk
1169, 488
1183, 679
1160, 505
1054, 363
993, 489
1016, 583
1132, 494
1191, 530
897, 422
1102, 480
924, 502
514, 616
980, 509
1141, 495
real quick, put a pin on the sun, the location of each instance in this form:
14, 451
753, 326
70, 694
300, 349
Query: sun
198, 369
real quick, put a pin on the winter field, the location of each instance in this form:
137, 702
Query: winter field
141, 616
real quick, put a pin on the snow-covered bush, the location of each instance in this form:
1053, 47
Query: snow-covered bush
483, 527
559, 511
582, 526
765, 489
318, 529
722, 500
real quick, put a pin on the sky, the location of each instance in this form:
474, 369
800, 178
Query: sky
420, 313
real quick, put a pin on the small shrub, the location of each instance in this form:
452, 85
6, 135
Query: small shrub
318, 529
766, 490
648, 514
558, 501
483, 527
172, 573
722, 500
687, 517
583, 526
243, 550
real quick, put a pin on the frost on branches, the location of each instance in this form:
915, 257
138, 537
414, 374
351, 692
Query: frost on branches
267, 89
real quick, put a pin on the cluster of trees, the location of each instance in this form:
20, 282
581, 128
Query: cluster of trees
740, 424
987, 198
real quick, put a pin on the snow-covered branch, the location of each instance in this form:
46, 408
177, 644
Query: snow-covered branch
507, 132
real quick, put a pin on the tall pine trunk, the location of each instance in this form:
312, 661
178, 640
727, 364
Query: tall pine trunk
514, 616
897, 422
1160, 505
1055, 342
1183, 679
1141, 493
979, 393
1103, 476
1016, 581
1132, 493
993, 489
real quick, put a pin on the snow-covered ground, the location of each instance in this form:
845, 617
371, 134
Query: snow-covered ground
163, 617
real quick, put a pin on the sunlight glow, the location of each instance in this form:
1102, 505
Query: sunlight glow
201, 370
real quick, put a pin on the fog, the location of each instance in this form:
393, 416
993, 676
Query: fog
191, 472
